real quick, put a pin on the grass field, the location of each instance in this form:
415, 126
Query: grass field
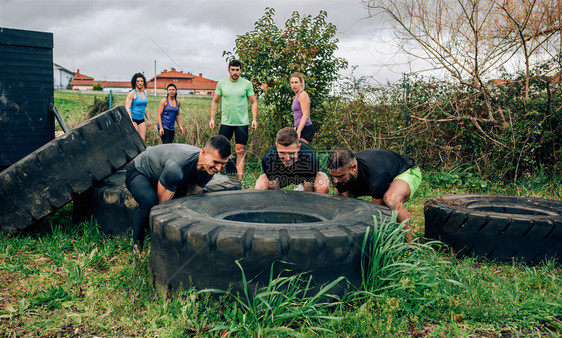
70, 280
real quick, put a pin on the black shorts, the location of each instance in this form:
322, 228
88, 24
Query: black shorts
138, 121
307, 133
241, 134
168, 136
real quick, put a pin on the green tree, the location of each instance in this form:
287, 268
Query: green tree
270, 54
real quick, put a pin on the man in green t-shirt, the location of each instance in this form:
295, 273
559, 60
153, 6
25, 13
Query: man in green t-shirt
235, 92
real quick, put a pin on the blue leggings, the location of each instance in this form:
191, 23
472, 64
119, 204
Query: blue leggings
145, 194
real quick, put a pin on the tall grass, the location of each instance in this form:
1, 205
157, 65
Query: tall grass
94, 287
195, 113
72, 280
284, 306
391, 263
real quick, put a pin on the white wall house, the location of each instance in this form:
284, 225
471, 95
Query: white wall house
62, 76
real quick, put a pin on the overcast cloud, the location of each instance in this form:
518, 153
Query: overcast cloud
112, 40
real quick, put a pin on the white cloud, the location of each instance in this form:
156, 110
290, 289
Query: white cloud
114, 39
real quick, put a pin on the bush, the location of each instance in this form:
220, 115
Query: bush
98, 107
443, 124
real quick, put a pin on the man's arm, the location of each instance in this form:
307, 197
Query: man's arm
163, 193
254, 103
274, 184
378, 201
345, 193
214, 105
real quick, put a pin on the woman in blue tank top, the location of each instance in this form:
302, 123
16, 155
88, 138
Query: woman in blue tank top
136, 105
168, 114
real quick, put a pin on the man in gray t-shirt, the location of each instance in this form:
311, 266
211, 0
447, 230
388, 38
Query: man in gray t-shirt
167, 170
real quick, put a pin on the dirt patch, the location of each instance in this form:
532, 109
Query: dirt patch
8, 282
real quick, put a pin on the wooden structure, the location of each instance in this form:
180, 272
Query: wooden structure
26, 93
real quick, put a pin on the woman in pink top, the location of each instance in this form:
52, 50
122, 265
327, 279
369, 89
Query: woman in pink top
301, 109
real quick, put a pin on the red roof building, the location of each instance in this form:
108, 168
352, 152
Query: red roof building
186, 83
81, 81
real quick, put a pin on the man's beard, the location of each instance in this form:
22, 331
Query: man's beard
342, 186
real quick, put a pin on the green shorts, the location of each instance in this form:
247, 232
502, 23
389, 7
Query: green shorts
413, 177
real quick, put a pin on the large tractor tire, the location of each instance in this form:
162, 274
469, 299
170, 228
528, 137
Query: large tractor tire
111, 204
51, 176
499, 228
197, 240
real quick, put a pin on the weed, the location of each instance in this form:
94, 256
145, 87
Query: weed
283, 307
391, 263
52, 298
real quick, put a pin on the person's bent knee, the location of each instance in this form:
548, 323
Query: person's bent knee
321, 189
321, 183
262, 183
240, 149
148, 201
393, 202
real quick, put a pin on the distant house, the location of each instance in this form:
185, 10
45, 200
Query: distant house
115, 86
554, 79
82, 82
187, 83
61, 76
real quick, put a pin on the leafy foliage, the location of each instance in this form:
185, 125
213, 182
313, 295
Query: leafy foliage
270, 54
445, 125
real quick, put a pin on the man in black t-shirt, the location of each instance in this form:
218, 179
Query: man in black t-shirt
290, 161
167, 170
389, 178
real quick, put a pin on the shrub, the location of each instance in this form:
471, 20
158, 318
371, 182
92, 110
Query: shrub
98, 107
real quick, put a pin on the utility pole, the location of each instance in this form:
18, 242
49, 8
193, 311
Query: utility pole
154, 77
406, 82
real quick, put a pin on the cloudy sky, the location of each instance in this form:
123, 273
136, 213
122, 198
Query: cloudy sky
113, 39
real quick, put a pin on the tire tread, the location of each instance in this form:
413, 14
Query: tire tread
489, 226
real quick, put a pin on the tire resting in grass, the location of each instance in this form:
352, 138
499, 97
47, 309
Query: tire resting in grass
52, 175
195, 244
111, 204
499, 228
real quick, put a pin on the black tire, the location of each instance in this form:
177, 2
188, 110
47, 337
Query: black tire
196, 240
111, 204
499, 228
51, 176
